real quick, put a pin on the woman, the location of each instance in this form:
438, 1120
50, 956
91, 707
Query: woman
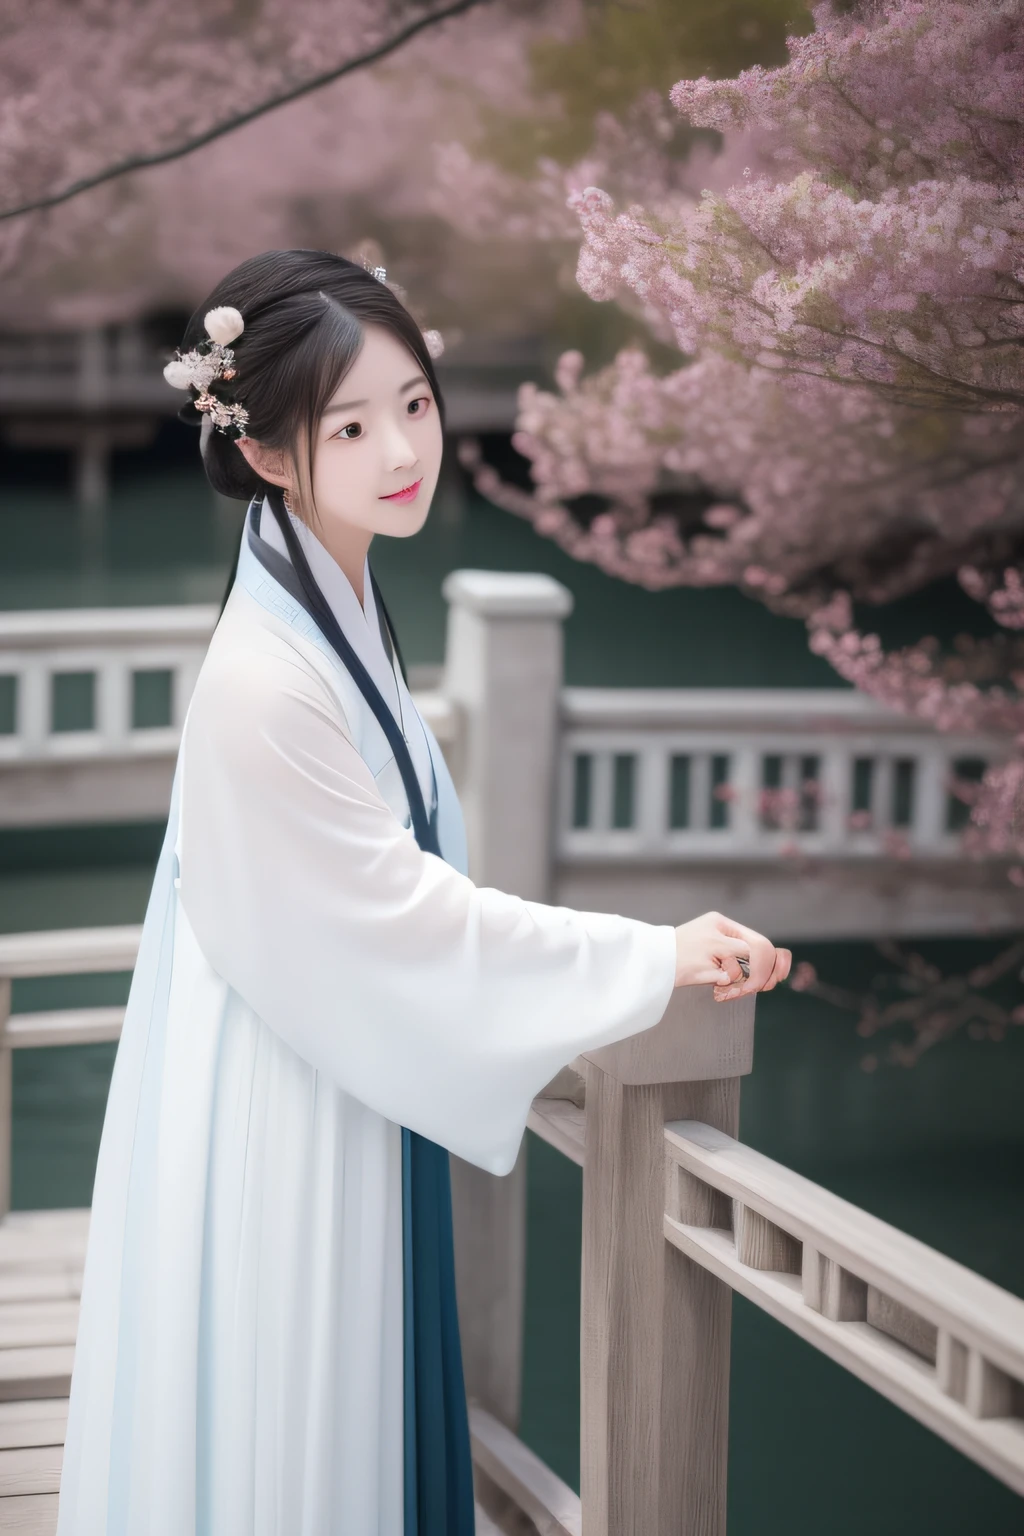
324, 1004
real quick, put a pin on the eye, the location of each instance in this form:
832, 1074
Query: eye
422, 400
351, 432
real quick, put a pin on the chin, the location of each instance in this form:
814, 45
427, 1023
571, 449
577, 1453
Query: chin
402, 522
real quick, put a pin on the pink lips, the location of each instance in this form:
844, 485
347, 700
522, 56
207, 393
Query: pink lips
407, 495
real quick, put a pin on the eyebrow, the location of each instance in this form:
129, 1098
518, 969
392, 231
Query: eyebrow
349, 405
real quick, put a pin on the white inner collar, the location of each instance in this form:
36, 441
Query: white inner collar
360, 626
330, 577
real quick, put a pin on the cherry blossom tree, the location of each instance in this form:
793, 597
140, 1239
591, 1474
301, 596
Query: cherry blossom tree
847, 293
196, 134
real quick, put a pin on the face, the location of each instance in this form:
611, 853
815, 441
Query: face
379, 434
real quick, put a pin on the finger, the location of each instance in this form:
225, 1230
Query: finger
745, 988
731, 968
729, 926
784, 960
760, 949
762, 962
712, 976
729, 944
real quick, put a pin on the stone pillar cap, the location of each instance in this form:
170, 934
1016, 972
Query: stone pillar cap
508, 594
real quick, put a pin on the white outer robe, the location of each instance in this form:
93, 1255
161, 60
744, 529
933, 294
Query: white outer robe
308, 982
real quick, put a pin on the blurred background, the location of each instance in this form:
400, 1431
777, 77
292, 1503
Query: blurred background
730, 298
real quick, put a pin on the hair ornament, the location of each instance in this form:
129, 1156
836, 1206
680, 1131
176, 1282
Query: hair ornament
206, 363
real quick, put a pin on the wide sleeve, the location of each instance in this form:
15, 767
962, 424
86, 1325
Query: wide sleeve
444, 1006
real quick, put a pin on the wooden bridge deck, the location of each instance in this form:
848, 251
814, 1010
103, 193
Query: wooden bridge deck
41, 1259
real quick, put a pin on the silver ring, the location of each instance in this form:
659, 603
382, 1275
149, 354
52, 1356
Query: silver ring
743, 961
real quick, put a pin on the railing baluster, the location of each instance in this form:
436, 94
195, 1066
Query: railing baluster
33, 717
652, 806
761, 1244
700, 791
989, 1393
951, 1365
113, 702
844, 1297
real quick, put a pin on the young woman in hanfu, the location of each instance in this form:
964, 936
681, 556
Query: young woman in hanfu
324, 1004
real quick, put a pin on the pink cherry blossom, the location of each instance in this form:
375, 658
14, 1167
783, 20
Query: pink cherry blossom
845, 281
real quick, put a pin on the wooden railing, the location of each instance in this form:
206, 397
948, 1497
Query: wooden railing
935, 1338
677, 1214
74, 952
87, 371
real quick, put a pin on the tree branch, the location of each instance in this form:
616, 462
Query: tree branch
161, 157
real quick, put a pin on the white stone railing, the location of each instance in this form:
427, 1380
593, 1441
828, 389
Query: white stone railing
817, 814
92, 702
660, 775
75, 681
643, 775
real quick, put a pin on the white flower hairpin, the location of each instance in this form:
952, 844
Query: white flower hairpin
209, 361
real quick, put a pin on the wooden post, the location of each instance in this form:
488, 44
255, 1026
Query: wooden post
655, 1326
503, 671
6, 1098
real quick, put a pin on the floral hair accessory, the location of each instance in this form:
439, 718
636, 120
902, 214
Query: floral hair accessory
207, 362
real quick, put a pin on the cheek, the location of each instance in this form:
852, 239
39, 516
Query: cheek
433, 444
342, 474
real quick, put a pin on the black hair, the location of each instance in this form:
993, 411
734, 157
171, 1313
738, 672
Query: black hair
304, 313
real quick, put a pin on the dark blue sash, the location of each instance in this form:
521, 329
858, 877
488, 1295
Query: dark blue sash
438, 1469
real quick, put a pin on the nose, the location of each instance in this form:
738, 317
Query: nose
399, 452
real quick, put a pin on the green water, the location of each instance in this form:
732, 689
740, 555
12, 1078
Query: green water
167, 541
939, 1150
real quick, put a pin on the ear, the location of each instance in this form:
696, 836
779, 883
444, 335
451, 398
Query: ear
269, 463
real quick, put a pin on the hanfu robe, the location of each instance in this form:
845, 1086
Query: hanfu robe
311, 987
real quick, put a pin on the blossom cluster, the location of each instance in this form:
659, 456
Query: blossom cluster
717, 473
847, 290
883, 242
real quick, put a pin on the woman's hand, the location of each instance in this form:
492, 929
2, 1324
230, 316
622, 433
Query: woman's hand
709, 951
